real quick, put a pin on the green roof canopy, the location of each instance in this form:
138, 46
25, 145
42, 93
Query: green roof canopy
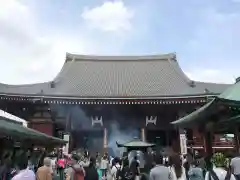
198, 116
19, 132
230, 97
232, 93
136, 143
232, 121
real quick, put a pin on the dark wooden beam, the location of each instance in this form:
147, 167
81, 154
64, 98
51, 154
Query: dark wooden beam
237, 138
208, 141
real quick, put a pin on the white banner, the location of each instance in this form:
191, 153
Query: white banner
183, 143
66, 137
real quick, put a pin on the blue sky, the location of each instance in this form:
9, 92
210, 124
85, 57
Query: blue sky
35, 35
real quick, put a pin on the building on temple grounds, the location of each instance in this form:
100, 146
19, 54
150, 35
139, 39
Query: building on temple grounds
101, 99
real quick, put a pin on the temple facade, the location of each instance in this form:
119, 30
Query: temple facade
100, 99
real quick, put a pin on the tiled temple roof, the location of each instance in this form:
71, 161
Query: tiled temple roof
102, 77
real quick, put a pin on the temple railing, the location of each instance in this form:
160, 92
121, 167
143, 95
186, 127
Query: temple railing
217, 142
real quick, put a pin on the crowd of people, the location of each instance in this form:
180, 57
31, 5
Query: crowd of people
95, 167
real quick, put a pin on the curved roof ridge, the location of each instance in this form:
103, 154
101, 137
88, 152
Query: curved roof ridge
177, 68
78, 57
61, 73
71, 58
170, 57
213, 83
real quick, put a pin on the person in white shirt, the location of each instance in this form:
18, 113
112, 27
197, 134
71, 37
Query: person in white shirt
218, 169
104, 166
53, 164
24, 173
177, 170
111, 161
220, 173
160, 171
115, 168
235, 166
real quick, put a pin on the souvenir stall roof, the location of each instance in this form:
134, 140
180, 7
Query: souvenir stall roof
19, 132
12, 117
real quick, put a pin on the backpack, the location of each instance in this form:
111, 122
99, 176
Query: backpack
215, 177
78, 175
118, 173
127, 174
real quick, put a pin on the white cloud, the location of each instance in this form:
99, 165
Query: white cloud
29, 55
110, 16
210, 75
20, 46
10, 8
26, 55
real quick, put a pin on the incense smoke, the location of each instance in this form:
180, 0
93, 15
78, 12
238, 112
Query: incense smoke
120, 135
74, 117
77, 121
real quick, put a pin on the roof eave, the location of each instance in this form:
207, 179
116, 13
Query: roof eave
161, 97
197, 117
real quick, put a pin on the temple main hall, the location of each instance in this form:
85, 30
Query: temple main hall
99, 99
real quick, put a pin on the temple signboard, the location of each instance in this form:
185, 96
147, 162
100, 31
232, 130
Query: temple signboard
97, 120
151, 120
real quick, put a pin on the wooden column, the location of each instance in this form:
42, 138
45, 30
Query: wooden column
167, 138
175, 138
71, 142
105, 141
236, 139
143, 134
208, 140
